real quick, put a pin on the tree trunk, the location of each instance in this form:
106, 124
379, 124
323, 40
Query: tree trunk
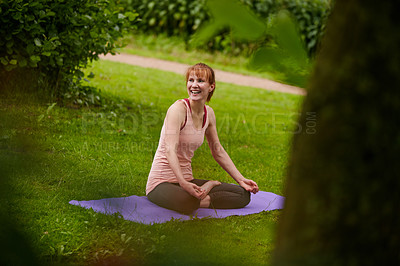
343, 183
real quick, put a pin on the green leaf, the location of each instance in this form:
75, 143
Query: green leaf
37, 42
30, 48
151, 5
40, 117
35, 58
23, 62
9, 44
50, 107
177, 16
93, 34
3, 61
10, 67
13, 62
312, 43
152, 21
60, 61
131, 16
32, 64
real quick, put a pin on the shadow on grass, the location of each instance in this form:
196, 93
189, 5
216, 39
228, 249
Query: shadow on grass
15, 152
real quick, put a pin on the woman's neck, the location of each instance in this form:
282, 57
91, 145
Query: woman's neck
197, 106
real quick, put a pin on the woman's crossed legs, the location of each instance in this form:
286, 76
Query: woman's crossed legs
222, 196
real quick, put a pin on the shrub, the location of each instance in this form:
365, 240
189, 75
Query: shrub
59, 38
183, 17
173, 17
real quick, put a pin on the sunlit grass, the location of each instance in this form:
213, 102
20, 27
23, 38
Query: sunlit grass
175, 49
93, 153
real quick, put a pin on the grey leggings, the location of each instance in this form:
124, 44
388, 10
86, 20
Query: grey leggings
174, 197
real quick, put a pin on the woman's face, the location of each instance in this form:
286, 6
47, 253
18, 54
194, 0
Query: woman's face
198, 87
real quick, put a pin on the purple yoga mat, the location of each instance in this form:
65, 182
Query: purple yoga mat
140, 209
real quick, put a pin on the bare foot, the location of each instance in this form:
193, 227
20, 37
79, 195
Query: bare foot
208, 186
205, 203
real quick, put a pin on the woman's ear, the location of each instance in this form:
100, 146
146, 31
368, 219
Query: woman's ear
212, 87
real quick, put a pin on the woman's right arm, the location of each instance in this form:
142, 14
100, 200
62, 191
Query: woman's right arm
174, 120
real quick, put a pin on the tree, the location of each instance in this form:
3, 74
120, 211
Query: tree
343, 183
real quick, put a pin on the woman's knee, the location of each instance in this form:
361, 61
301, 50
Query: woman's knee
187, 207
186, 203
233, 197
173, 197
245, 198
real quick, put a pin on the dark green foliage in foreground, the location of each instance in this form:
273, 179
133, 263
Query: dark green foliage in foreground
56, 39
343, 184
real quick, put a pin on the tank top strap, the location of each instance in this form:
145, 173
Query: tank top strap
205, 116
187, 102
188, 111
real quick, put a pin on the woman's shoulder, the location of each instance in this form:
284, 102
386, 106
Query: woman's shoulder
210, 110
210, 114
177, 107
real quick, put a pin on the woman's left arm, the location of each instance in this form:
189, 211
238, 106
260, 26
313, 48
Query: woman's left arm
222, 157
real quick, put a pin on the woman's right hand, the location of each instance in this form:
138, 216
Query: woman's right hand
193, 189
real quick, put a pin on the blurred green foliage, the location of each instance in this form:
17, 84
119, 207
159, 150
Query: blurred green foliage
288, 57
184, 17
224, 13
311, 17
58, 38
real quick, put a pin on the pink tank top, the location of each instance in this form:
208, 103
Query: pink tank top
190, 139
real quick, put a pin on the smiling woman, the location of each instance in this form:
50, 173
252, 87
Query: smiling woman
171, 183
197, 76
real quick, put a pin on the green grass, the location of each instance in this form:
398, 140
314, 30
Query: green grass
93, 153
175, 49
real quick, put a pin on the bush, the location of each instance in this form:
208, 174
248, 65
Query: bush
59, 38
173, 17
183, 17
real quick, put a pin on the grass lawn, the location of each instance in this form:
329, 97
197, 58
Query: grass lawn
174, 49
52, 155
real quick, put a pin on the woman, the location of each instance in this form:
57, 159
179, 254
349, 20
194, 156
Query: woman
171, 184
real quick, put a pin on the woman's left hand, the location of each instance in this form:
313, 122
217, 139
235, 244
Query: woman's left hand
249, 185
